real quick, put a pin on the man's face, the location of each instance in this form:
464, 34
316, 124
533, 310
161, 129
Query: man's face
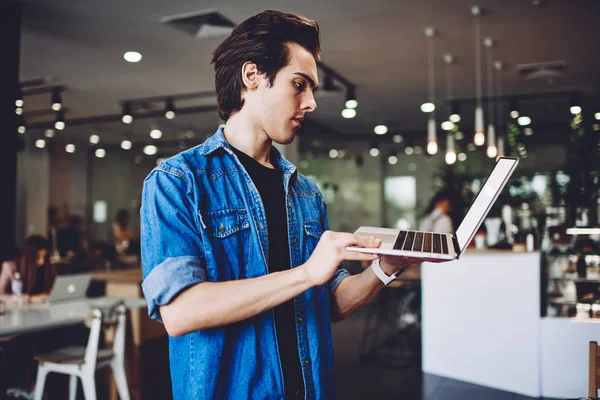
280, 108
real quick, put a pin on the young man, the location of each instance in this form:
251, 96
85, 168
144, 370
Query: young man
238, 260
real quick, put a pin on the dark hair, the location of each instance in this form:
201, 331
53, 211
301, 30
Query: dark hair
33, 245
261, 39
122, 217
443, 194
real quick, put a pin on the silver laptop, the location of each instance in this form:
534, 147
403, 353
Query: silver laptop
443, 246
69, 287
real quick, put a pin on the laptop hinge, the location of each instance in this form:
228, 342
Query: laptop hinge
456, 247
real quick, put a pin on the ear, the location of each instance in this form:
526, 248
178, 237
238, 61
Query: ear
250, 75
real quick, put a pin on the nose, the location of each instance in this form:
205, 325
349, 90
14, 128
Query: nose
309, 104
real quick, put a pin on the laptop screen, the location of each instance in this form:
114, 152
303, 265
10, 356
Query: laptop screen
484, 200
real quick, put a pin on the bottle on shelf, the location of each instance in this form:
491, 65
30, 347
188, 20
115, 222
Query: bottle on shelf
17, 284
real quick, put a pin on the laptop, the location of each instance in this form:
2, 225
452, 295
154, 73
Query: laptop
442, 246
69, 287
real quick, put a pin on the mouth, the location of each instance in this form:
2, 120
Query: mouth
298, 122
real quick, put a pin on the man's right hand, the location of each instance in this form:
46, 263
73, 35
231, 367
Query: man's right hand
331, 251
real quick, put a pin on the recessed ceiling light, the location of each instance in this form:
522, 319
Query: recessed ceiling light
94, 139
380, 130
132, 56
156, 134
70, 148
348, 113
126, 144
40, 143
100, 153
150, 150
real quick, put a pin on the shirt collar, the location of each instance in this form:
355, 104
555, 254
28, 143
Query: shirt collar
217, 141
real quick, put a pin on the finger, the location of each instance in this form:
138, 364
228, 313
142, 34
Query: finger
363, 241
356, 256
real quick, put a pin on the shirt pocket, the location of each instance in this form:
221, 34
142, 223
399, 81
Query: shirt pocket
229, 234
313, 231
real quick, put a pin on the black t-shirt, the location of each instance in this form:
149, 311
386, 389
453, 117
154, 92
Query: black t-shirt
40, 277
269, 183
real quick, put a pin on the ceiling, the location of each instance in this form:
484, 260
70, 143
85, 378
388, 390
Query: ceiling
378, 45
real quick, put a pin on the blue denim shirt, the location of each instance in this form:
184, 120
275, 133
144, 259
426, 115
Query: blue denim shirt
203, 220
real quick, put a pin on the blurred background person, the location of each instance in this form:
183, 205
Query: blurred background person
8, 267
126, 247
437, 215
37, 273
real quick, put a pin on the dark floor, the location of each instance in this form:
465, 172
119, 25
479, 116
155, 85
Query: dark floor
377, 377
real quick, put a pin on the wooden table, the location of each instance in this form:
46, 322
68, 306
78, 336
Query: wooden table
121, 283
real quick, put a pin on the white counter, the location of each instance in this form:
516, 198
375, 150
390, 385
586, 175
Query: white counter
482, 324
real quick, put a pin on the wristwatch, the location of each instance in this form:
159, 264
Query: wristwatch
383, 277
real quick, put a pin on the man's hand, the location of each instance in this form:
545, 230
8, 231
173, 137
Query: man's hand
331, 252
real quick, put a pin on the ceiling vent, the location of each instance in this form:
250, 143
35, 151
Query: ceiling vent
201, 24
545, 70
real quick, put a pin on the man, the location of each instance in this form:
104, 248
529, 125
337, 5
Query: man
238, 261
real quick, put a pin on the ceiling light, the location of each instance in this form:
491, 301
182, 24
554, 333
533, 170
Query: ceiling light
348, 113
132, 56
447, 125
49, 133
528, 131
514, 114
597, 116
380, 130
150, 150
455, 118
514, 110
492, 152
127, 117
459, 135
575, 110
100, 153
393, 160
450, 157
333, 153
19, 102
427, 107
397, 139
156, 133
40, 143
21, 129
524, 121
374, 152
500, 146
70, 148
169, 109
56, 99
351, 101
94, 139
479, 138
409, 150
462, 156
126, 144
60, 121
432, 148
18, 111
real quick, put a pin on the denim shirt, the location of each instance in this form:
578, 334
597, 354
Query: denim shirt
203, 220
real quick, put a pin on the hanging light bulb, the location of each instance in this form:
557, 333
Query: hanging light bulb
479, 138
127, 117
169, 109
450, 152
60, 121
432, 144
501, 146
491, 139
56, 99
351, 102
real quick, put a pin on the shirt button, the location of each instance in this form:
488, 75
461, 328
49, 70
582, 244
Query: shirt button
300, 320
221, 229
295, 241
260, 225
306, 362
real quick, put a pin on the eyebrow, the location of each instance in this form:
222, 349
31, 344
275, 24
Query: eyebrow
310, 80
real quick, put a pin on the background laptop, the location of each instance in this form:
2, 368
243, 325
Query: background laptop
69, 287
443, 246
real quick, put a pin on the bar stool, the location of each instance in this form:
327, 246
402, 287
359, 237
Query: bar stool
83, 362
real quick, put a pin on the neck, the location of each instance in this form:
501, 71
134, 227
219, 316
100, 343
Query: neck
246, 135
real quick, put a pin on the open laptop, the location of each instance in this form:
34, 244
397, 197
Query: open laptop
69, 287
428, 245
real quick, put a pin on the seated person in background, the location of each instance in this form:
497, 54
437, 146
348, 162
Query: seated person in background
436, 215
126, 247
36, 271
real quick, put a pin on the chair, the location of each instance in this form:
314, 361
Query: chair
594, 370
83, 362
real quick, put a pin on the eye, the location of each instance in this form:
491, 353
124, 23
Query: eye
299, 86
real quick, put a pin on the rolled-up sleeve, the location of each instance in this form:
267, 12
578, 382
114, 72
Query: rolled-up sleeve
172, 252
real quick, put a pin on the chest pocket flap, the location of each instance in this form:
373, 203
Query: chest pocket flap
224, 223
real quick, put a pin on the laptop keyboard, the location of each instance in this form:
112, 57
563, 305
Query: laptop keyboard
422, 241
